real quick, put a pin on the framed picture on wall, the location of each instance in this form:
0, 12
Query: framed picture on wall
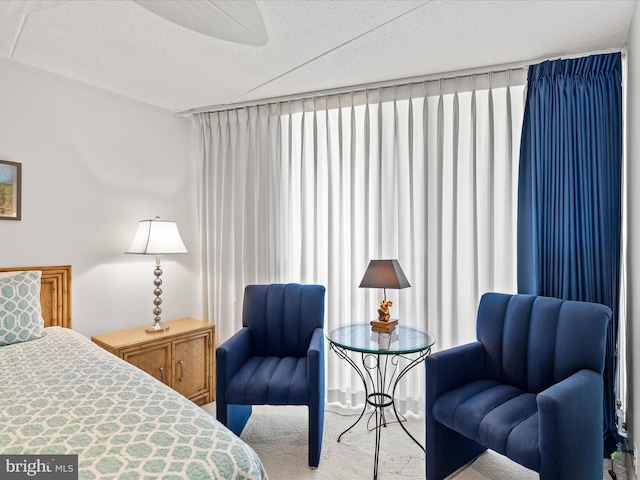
10, 190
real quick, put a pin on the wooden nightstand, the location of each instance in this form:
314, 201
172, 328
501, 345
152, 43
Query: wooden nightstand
182, 357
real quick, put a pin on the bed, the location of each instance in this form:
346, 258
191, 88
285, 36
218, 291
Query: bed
62, 394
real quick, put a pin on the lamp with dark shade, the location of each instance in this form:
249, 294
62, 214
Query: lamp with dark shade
157, 237
384, 274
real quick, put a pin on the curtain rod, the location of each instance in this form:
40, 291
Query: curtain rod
383, 84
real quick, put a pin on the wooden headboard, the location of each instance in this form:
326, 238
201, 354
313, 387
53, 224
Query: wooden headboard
55, 294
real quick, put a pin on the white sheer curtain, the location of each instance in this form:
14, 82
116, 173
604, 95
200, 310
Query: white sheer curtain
310, 190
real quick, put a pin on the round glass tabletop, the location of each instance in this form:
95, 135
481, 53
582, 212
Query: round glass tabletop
359, 338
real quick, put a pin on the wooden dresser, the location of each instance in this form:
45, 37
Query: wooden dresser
182, 357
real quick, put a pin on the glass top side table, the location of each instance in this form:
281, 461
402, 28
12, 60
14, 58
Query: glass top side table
380, 368
358, 337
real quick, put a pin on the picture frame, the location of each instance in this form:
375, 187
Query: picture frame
10, 190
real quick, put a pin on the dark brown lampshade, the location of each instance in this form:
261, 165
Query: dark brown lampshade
384, 274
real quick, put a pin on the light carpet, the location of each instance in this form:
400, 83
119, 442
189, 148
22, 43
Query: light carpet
279, 436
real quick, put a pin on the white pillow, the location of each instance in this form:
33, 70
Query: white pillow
20, 315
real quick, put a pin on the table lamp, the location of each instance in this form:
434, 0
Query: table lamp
157, 237
384, 274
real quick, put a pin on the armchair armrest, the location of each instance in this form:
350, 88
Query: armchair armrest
453, 368
315, 374
232, 354
570, 419
315, 357
447, 450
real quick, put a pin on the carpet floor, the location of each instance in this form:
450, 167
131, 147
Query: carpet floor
279, 436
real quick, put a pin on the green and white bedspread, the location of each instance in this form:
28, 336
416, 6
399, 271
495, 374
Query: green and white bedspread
62, 394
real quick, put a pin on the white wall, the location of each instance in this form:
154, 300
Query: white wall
93, 164
633, 219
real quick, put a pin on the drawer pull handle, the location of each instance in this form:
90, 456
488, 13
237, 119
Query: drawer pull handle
161, 374
181, 369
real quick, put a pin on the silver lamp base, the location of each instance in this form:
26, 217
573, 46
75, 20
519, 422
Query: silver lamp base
157, 327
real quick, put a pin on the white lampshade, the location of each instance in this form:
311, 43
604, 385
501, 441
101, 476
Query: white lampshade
157, 237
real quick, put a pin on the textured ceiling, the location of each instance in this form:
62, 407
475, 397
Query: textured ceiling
313, 45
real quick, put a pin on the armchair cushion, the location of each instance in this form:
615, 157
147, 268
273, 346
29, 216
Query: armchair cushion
495, 415
270, 381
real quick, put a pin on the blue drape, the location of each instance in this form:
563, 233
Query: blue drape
569, 192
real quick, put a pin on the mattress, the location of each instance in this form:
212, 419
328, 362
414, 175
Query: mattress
61, 394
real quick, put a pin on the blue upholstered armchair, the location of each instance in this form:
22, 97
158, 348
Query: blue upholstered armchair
276, 359
529, 388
